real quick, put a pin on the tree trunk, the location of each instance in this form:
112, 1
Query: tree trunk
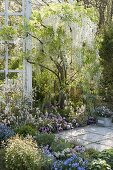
101, 17
61, 99
109, 11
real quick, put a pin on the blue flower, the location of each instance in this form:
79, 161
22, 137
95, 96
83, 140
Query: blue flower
75, 165
74, 156
5, 132
73, 162
80, 168
66, 162
85, 162
56, 168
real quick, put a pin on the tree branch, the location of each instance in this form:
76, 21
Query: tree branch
48, 69
35, 37
45, 2
45, 68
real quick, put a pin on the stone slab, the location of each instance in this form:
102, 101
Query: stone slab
108, 142
78, 141
90, 137
99, 130
71, 133
96, 137
98, 147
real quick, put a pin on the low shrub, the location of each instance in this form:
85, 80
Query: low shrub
5, 132
25, 130
99, 164
90, 154
44, 122
45, 139
107, 155
81, 116
22, 155
49, 122
60, 144
82, 119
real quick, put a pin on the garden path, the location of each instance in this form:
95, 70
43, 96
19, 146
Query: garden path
91, 136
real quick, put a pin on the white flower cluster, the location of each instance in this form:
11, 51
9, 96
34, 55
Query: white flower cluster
14, 108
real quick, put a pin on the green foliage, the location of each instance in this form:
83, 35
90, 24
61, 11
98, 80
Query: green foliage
25, 130
106, 50
107, 155
81, 115
15, 63
90, 77
45, 139
43, 82
7, 33
68, 111
99, 164
106, 54
22, 155
90, 154
44, 122
60, 144
2, 159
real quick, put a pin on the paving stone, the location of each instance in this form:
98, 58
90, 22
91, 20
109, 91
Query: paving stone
71, 133
77, 140
80, 141
99, 130
98, 147
96, 137
90, 137
108, 142
111, 127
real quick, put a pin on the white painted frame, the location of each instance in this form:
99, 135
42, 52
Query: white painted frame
27, 67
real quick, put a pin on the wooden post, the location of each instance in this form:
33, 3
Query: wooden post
27, 48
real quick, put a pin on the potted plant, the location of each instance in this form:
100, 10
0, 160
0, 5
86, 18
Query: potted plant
104, 116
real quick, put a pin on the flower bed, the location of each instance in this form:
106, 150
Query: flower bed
69, 158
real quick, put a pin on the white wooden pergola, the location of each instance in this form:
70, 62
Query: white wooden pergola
24, 12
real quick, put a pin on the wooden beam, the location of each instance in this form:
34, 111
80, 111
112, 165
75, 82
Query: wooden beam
11, 13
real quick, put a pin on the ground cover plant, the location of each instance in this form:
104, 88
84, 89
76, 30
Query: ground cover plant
99, 164
40, 138
25, 130
73, 162
107, 155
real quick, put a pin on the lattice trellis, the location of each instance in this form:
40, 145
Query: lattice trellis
14, 9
